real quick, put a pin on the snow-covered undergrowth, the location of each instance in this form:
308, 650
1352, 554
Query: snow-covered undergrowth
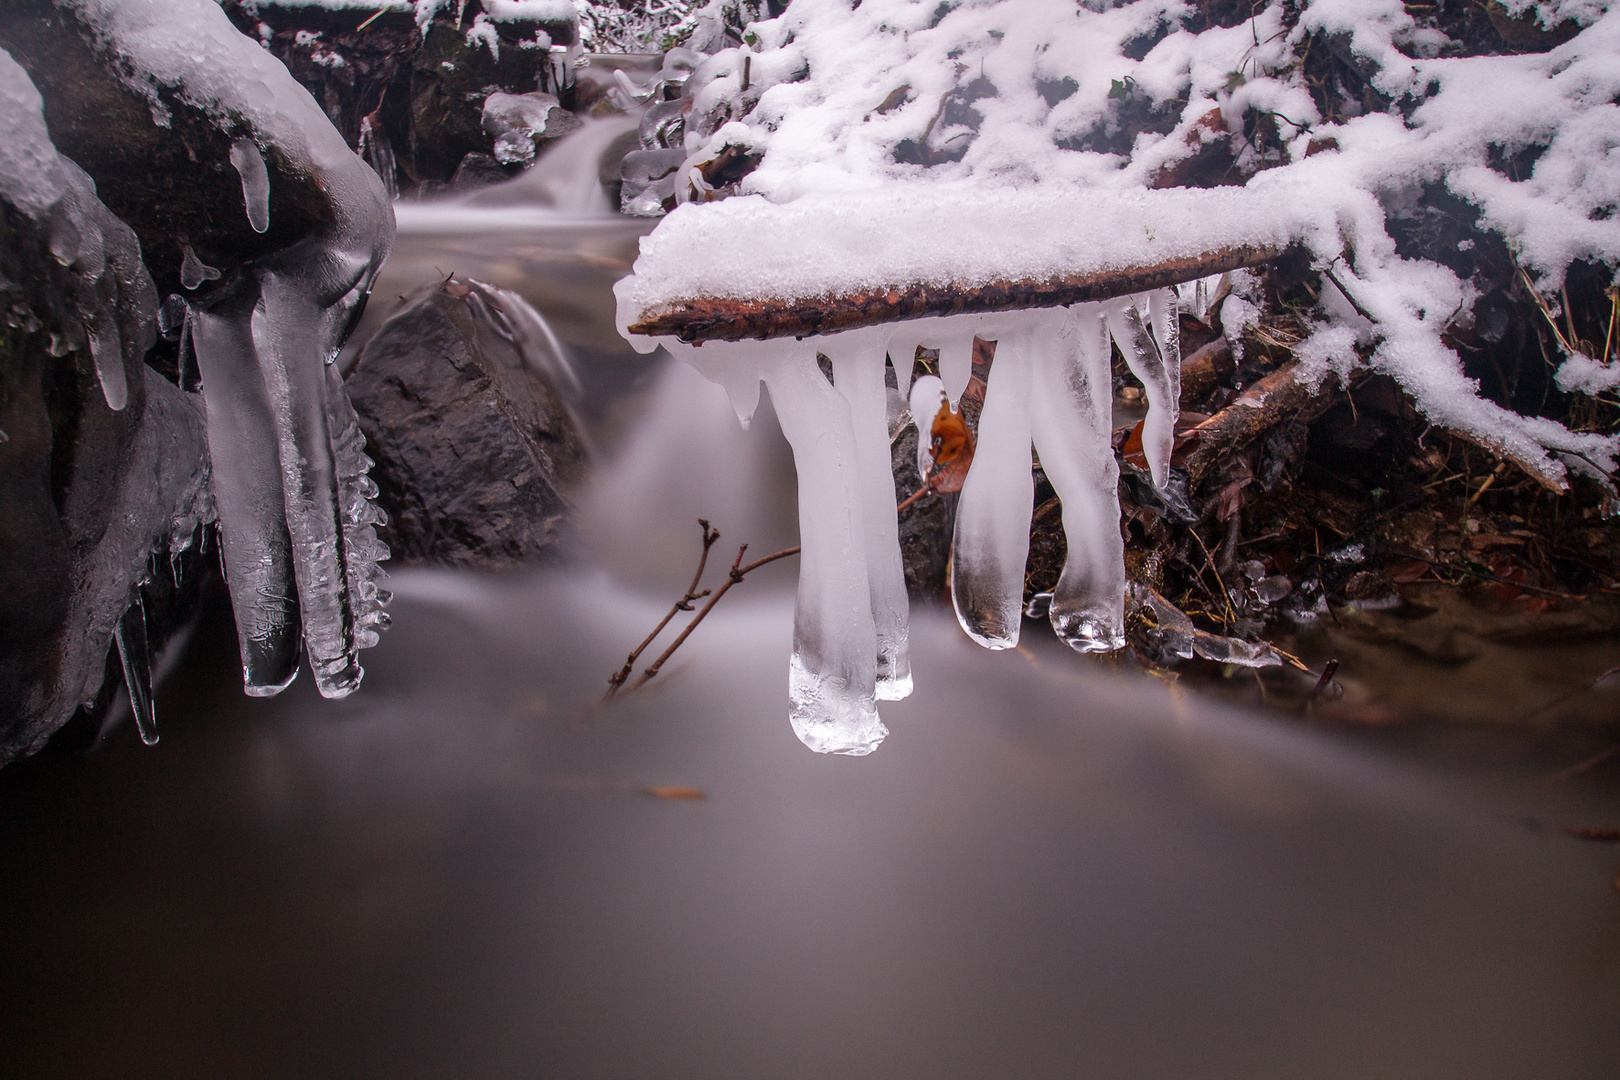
897, 143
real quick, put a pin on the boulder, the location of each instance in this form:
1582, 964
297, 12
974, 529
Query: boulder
476, 451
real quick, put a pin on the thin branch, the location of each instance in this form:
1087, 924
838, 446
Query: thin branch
1485, 575
736, 574
683, 604
1337, 284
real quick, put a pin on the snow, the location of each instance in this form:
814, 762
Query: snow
1009, 199
905, 143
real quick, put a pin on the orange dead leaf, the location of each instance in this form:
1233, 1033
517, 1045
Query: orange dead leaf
952, 449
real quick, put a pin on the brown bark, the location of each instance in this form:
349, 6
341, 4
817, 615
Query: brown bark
720, 319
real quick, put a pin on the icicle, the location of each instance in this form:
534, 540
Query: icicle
286, 333
927, 395
858, 360
249, 165
193, 271
832, 678
1071, 413
904, 341
1154, 356
362, 550
992, 517
108, 357
242, 446
956, 363
133, 652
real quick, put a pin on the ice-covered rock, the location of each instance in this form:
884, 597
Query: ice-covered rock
522, 124
241, 172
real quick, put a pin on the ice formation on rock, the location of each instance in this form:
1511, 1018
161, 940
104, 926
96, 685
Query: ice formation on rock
297, 529
110, 312
1049, 388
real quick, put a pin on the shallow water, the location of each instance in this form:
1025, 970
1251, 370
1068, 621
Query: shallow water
459, 872
1045, 871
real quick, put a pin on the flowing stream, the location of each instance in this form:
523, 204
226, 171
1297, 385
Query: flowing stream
462, 870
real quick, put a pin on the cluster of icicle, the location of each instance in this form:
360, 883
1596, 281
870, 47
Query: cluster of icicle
297, 525
1050, 386
297, 521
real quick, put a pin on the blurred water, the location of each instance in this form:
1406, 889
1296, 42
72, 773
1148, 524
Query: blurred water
462, 871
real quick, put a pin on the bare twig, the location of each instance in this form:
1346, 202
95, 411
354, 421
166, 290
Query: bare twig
736, 574
1328, 273
683, 604
1328, 671
1226, 596
1485, 575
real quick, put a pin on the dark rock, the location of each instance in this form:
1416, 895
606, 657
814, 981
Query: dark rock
424, 93
450, 80
925, 526
87, 493
476, 452
478, 171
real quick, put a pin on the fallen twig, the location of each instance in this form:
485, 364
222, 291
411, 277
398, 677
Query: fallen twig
736, 574
1485, 575
1329, 669
683, 604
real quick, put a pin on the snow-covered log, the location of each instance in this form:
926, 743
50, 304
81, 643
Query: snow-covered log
907, 159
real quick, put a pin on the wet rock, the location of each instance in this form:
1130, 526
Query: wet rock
423, 93
925, 526
88, 494
452, 75
478, 171
476, 450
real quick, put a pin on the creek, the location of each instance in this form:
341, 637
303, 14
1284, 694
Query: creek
1047, 870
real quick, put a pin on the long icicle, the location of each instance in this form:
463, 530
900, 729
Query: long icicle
832, 677
1150, 358
992, 517
858, 360
294, 371
135, 654
1071, 420
245, 461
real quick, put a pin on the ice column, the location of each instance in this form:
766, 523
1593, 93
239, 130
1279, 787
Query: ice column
832, 677
1071, 417
1152, 348
286, 333
244, 450
296, 523
992, 516
858, 359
